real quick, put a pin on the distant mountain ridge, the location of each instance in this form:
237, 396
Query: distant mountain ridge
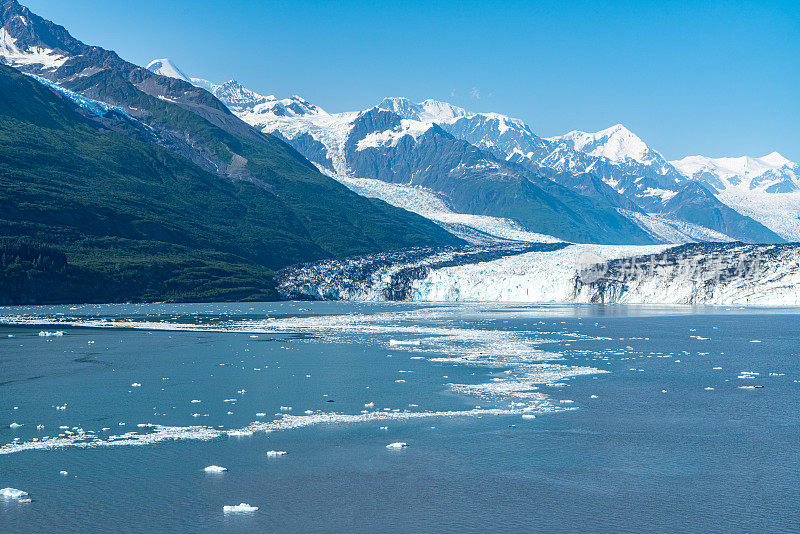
613, 166
771, 173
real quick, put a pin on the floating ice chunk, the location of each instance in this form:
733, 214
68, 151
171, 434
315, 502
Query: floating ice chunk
136, 385
242, 391
528, 416
13, 493
194, 401
57, 333
308, 412
215, 469
750, 387
593, 397
396, 342
399, 381
261, 414
397, 445
369, 405
15, 425
229, 400
286, 408
239, 508
63, 473
709, 388
716, 368
418, 357
663, 391
755, 341
275, 454
39, 427
239, 433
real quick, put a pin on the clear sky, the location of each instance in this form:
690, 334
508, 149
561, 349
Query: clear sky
715, 78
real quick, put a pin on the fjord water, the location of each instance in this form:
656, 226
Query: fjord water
627, 435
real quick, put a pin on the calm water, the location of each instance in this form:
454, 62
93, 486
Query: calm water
626, 436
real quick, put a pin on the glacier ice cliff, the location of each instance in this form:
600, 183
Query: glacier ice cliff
691, 274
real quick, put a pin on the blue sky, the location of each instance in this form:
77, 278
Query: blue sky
717, 78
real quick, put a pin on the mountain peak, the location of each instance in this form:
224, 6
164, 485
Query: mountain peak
775, 159
615, 143
165, 67
429, 110
617, 129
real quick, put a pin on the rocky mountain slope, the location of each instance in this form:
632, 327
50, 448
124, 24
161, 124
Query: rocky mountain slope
153, 185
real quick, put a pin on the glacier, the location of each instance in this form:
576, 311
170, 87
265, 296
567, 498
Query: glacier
725, 274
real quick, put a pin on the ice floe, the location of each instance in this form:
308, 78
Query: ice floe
14, 494
45, 333
239, 508
215, 469
397, 445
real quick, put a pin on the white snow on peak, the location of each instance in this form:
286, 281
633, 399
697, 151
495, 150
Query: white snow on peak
616, 144
440, 112
773, 158
11, 54
504, 122
389, 138
242, 100
428, 110
165, 67
435, 110
727, 168
766, 189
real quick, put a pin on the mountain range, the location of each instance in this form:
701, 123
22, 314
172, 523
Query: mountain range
154, 185
614, 167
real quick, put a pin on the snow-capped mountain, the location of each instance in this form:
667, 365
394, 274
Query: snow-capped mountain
766, 189
499, 134
406, 143
427, 110
397, 145
242, 100
771, 173
165, 67
622, 159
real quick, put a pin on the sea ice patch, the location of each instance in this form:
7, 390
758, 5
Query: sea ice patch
239, 508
